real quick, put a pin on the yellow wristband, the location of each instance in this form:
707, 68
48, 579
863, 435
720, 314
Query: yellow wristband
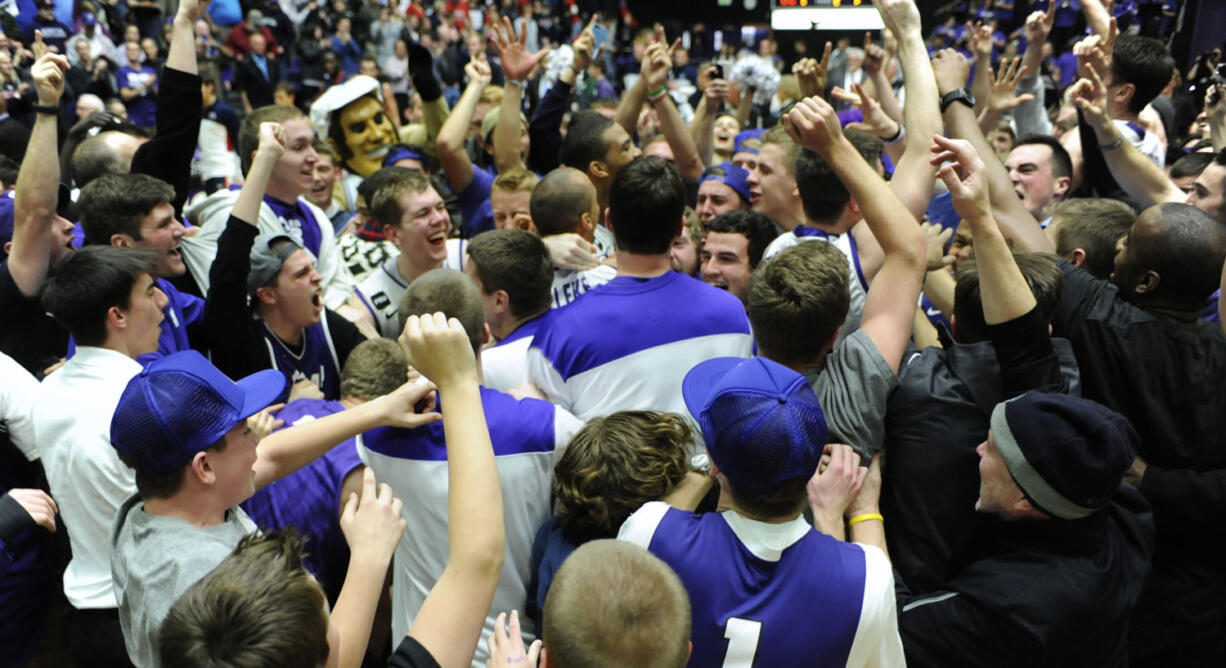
864, 518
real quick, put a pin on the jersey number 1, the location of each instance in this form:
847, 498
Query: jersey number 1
742, 635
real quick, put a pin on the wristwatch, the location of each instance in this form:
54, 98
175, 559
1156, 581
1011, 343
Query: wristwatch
701, 463
962, 95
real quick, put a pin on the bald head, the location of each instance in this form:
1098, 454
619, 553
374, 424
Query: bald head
615, 604
1172, 254
560, 200
105, 153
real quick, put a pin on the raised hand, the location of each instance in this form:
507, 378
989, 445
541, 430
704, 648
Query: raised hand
48, 75
517, 63
583, 46
1001, 97
965, 175
951, 70
716, 91
1089, 95
807, 79
478, 73
272, 140
874, 55
813, 124
440, 349
1038, 24
192, 10
372, 524
981, 40
902, 17
937, 238
876, 121
506, 645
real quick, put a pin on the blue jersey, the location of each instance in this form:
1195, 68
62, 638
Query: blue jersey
309, 499
774, 594
316, 361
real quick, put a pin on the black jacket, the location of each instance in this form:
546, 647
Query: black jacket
935, 420
1165, 376
1036, 593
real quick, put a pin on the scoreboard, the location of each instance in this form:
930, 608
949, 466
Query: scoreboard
824, 15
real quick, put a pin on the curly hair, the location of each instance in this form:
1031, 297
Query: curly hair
613, 466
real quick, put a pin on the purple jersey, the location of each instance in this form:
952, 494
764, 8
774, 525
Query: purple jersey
316, 361
309, 499
764, 594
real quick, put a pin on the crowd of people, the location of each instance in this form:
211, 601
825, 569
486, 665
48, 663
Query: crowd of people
517, 332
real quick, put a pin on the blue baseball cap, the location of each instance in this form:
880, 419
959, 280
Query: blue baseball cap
745, 135
761, 420
400, 152
180, 405
730, 175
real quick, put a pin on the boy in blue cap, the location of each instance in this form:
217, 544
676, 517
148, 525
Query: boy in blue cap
756, 569
182, 425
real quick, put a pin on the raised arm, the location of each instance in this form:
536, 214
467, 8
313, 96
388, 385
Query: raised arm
168, 156
913, 175
450, 621
1144, 181
702, 126
656, 64
288, 450
456, 164
1002, 96
1004, 291
627, 114
34, 204
981, 47
517, 65
372, 527
890, 305
545, 127
1015, 221
1031, 115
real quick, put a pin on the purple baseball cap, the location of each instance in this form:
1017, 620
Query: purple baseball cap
180, 405
761, 421
730, 175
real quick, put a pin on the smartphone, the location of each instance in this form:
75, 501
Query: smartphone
717, 71
600, 33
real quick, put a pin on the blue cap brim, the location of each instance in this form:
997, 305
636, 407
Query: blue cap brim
260, 389
701, 380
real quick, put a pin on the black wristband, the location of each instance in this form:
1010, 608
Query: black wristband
46, 109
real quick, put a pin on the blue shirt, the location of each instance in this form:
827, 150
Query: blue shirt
475, 203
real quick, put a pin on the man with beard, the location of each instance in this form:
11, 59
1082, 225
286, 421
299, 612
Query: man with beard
351, 118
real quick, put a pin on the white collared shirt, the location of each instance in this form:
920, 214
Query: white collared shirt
72, 426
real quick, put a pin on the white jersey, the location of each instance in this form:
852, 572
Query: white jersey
568, 284
382, 290
528, 436
603, 240
628, 344
504, 365
846, 243
1148, 143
